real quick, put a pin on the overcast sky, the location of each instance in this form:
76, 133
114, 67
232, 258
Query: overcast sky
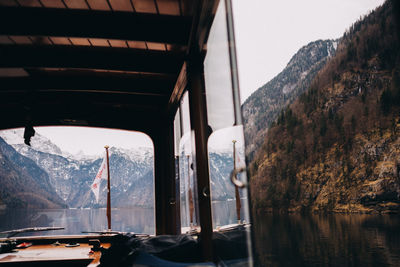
269, 32
91, 141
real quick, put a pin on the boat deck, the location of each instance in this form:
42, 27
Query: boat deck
51, 255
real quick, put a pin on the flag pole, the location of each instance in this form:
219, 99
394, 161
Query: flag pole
108, 192
237, 195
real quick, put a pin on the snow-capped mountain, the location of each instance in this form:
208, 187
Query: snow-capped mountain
38, 142
131, 172
23, 183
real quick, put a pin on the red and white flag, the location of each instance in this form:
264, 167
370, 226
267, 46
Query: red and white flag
238, 160
101, 174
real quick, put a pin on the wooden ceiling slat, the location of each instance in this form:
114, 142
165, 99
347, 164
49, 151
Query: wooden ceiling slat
84, 57
12, 72
121, 5
29, 3
60, 40
168, 7
79, 4
41, 40
5, 40
21, 39
145, 6
8, 3
80, 41
156, 46
99, 42
94, 24
176, 48
53, 3
118, 43
138, 44
99, 5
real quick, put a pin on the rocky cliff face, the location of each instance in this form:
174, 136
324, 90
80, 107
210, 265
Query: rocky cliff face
336, 148
265, 104
23, 183
72, 178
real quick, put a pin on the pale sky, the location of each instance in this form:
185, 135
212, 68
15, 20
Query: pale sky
269, 32
91, 141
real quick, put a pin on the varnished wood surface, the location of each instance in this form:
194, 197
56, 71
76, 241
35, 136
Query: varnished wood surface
56, 254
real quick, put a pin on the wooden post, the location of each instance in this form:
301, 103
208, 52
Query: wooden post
164, 180
108, 192
199, 123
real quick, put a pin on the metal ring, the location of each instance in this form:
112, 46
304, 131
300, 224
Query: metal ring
235, 181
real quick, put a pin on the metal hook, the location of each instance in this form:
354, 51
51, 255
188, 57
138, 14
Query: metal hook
234, 180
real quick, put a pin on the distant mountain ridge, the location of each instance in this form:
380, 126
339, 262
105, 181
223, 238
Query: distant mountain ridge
265, 104
72, 176
131, 171
38, 142
23, 183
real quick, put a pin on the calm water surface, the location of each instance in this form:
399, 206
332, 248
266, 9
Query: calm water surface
280, 240
328, 240
138, 220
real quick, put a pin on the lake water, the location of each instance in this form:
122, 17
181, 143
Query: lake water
138, 220
328, 240
280, 240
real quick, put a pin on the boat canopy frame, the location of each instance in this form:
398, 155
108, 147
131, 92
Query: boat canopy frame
114, 64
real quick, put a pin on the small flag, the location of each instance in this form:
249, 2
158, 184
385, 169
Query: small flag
238, 160
101, 174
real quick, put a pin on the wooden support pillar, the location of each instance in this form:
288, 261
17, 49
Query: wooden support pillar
165, 190
198, 119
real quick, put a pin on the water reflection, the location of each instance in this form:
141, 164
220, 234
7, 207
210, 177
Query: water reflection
327, 240
224, 213
281, 240
138, 220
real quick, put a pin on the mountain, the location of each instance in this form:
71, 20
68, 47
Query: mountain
221, 166
131, 172
336, 148
23, 183
72, 178
38, 142
265, 104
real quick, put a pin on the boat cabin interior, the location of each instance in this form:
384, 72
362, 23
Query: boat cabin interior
131, 65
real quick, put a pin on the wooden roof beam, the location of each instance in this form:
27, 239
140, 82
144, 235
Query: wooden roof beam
116, 85
86, 57
94, 24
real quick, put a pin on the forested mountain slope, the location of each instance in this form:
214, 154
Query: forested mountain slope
337, 147
265, 104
